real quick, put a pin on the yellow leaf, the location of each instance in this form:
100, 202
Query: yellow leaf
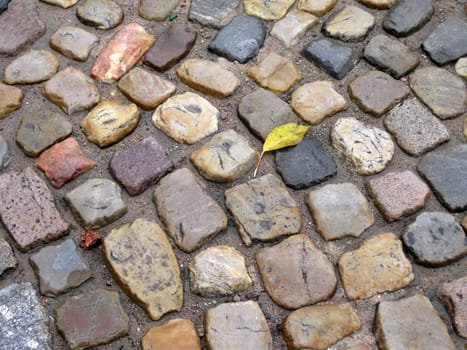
285, 136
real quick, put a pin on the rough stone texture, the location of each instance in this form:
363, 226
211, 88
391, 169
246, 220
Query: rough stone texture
213, 13
24, 322
73, 42
219, 271
102, 14
263, 209
142, 260
415, 129
448, 41
263, 110
391, 56
313, 102
28, 211
190, 215
208, 77
398, 194
305, 165
350, 24
454, 297
436, 239
378, 265
445, 172
187, 118
71, 90
7, 258
295, 273
62, 3
59, 268
266, 9
109, 122
226, 157
237, 326
20, 27
145, 89
156, 9
411, 323
240, 40
4, 153
11, 99
292, 27
370, 149
461, 67
131, 168
96, 203
32, 67
379, 4
171, 47
339, 210
176, 334
64, 162
317, 7
122, 52
377, 92
274, 72
4, 5
333, 57
317, 327
408, 16
91, 319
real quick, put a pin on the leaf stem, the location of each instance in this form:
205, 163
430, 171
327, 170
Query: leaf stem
258, 164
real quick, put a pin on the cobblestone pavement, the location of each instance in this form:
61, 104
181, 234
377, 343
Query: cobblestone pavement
140, 123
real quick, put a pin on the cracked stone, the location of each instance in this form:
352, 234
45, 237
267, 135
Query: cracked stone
350, 24
454, 297
156, 9
32, 67
292, 27
176, 334
102, 14
7, 258
73, 42
317, 7
266, 9
11, 99
213, 13
408, 16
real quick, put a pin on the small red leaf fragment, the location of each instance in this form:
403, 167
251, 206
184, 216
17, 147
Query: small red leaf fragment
89, 239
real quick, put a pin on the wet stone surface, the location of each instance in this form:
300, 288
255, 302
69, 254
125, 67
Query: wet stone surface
73, 42
408, 16
7, 258
454, 297
32, 67
102, 14
350, 24
176, 334
213, 13
11, 98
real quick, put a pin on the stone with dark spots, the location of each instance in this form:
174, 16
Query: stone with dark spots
408, 16
5, 156
454, 297
4, 5
102, 14
213, 13
7, 257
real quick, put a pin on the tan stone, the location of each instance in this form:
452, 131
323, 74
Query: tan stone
465, 126
378, 4
293, 26
266, 9
11, 99
62, 3
317, 7
464, 223
461, 67
350, 24
176, 334
32, 67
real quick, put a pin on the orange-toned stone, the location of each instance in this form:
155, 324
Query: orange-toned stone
177, 334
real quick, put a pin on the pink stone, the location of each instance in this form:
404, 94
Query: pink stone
454, 297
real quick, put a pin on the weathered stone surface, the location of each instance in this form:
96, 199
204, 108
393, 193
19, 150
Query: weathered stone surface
187, 118
379, 4
4, 153
171, 47
102, 14
415, 129
317, 327
208, 77
317, 7
274, 72
73, 42
378, 265
213, 13
122, 52
315, 101
266, 9
334, 57
60, 268
305, 165
436, 239
370, 149
237, 326
454, 297
96, 203
190, 215
7, 258
28, 211
32, 67
71, 90
11, 99
461, 67
24, 321
64, 162
62, 3
445, 172
292, 27
350, 24
157, 286
391, 56
295, 273
262, 111
448, 41
130, 166
411, 323
339, 210
176, 334
109, 122
20, 27
156, 9
240, 40
408, 16
263, 209
219, 271
92, 319
226, 157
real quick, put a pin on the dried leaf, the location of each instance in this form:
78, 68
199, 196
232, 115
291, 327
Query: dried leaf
89, 239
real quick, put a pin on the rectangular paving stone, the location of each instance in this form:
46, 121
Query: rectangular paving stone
408, 16
176, 334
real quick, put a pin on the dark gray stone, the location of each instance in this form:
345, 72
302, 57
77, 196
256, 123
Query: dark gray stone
239, 40
446, 170
408, 16
102, 14
212, 13
334, 57
305, 165
4, 153
448, 41
3, 5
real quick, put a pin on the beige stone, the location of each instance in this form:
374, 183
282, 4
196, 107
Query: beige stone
465, 126
317, 7
62, 3
293, 26
32, 67
176, 334
379, 4
464, 223
266, 9
11, 99
461, 67
350, 24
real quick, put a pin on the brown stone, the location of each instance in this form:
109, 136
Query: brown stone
454, 297
464, 223
73, 42
176, 334
11, 99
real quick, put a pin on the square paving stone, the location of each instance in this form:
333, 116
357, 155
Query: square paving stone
263, 209
213, 13
28, 210
454, 297
408, 16
132, 169
7, 258
73, 42
190, 215
350, 24
293, 26
176, 334
11, 99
